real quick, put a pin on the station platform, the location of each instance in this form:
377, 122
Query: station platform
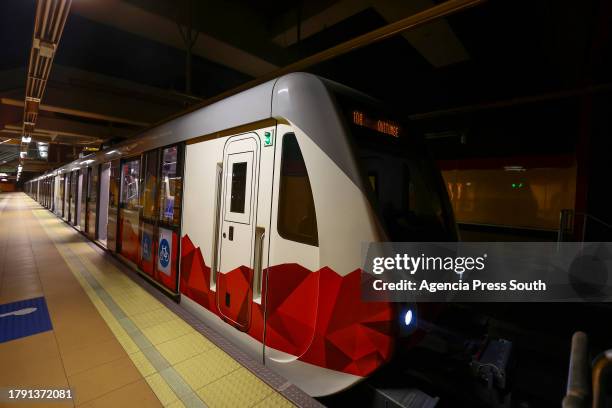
73, 317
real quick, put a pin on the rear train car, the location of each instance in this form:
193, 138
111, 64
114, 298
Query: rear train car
252, 212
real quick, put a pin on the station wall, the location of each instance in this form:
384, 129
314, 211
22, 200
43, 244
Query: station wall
6, 187
525, 198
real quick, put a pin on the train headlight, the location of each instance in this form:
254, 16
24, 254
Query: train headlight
408, 317
407, 320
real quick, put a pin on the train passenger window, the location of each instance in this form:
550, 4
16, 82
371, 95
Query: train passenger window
130, 175
149, 189
171, 185
239, 176
297, 219
113, 191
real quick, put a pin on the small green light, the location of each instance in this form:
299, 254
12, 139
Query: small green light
513, 185
268, 139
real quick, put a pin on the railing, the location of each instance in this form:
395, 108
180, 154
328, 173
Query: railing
578, 393
566, 224
587, 382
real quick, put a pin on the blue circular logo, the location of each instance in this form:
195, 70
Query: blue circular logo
164, 253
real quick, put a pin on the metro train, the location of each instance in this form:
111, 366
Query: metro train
252, 213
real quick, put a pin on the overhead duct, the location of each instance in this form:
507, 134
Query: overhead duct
49, 24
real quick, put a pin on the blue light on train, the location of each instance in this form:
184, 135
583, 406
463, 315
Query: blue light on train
408, 318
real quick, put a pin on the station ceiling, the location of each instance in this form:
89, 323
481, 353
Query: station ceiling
120, 64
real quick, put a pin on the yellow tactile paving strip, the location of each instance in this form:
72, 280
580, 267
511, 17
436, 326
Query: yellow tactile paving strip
163, 348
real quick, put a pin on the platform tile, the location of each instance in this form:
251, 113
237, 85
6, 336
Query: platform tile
152, 318
206, 368
237, 389
161, 389
142, 364
169, 330
184, 347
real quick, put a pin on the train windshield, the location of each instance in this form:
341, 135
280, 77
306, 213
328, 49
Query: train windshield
406, 189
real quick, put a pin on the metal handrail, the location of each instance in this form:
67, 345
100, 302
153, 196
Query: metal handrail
599, 220
602, 366
578, 391
566, 218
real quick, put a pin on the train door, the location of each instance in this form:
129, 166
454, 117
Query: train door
74, 197
92, 201
169, 216
113, 206
103, 206
129, 210
149, 215
238, 217
79, 199
83, 179
66, 197
57, 196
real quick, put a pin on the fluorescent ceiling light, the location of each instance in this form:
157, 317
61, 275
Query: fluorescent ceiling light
514, 168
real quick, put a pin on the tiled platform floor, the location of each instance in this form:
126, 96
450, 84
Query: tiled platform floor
112, 343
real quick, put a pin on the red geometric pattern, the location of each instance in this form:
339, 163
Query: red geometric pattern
195, 276
234, 294
351, 336
130, 244
292, 308
316, 316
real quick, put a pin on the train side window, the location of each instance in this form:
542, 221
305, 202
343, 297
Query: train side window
239, 173
171, 186
130, 184
297, 219
149, 188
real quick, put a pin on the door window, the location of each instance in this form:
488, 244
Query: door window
238, 193
171, 185
129, 184
149, 189
238, 190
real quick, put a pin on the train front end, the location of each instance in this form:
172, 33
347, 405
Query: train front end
372, 181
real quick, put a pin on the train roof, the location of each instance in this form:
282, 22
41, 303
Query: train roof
303, 99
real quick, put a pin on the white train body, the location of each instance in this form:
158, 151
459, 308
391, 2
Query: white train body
275, 205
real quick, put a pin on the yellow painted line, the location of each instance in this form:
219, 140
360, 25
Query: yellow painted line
157, 383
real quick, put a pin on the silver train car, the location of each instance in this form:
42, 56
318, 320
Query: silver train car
251, 212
